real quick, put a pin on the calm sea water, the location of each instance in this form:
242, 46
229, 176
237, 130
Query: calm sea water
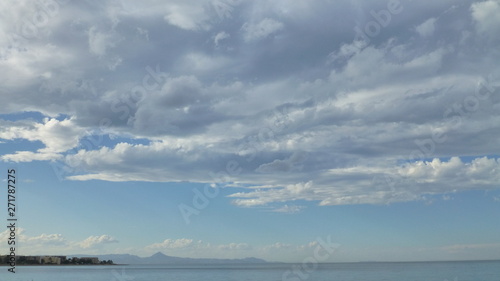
428, 271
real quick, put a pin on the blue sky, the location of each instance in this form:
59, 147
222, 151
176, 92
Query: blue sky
235, 128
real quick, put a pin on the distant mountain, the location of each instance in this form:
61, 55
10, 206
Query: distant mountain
160, 258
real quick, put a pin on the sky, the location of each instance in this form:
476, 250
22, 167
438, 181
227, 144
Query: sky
238, 128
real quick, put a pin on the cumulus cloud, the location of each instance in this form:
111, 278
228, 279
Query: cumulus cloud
94, 241
47, 239
278, 245
57, 244
4, 235
54, 243
172, 244
57, 136
235, 246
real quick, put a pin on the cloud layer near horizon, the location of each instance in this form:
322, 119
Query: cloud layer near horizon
289, 100
57, 244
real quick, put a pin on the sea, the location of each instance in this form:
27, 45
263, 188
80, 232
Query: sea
361, 271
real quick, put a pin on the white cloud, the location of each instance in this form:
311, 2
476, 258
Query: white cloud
261, 29
278, 245
94, 241
28, 156
100, 42
189, 17
426, 28
481, 171
185, 247
57, 136
4, 235
55, 244
219, 37
289, 209
172, 244
366, 185
485, 14
47, 239
235, 246
263, 197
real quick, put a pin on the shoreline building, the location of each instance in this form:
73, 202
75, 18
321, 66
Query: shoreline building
53, 260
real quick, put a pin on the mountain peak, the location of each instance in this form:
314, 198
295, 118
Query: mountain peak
159, 254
